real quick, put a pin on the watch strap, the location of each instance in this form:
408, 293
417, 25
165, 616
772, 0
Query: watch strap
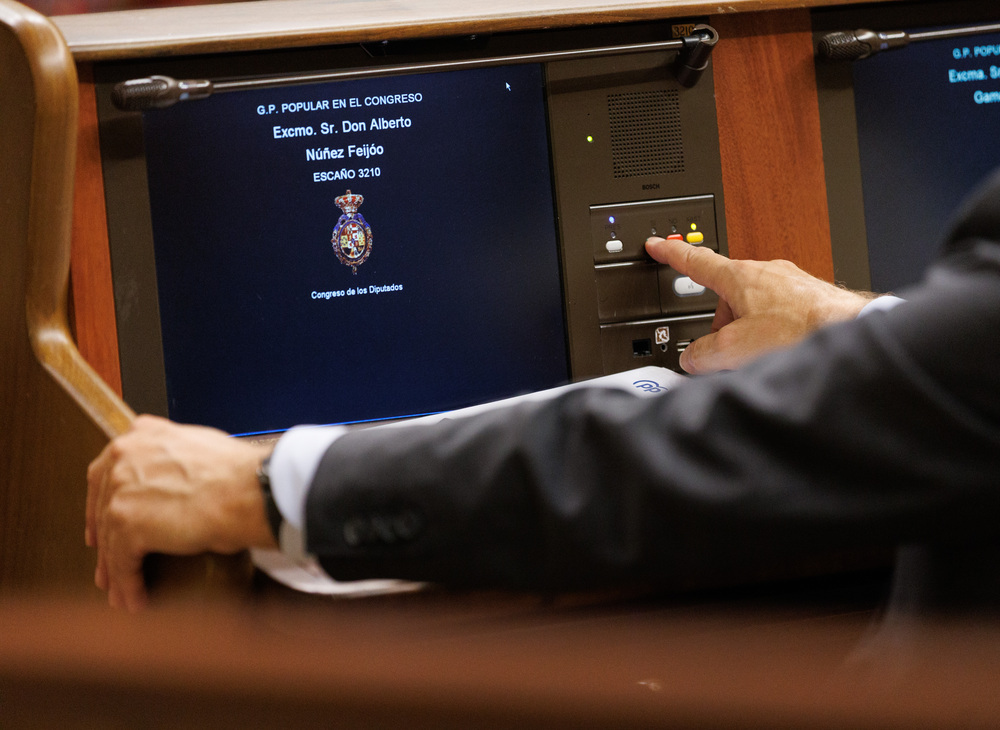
274, 516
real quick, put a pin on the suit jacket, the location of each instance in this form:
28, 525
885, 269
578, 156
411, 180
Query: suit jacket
880, 431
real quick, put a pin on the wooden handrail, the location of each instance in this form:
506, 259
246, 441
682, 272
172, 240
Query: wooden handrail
57, 411
49, 218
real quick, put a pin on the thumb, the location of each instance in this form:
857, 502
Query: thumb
700, 356
730, 348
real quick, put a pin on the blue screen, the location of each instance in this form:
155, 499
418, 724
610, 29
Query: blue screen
446, 289
928, 122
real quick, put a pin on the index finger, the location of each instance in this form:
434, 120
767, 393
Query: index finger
702, 264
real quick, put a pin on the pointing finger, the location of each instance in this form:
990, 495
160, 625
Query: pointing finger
702, 264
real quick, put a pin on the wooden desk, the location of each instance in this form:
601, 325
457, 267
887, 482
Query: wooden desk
58, 412
361, 665
421, 663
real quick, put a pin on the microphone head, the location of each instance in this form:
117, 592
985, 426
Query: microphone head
136, 95
843, 46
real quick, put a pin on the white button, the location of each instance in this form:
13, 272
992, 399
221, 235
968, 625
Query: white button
685, 287
614, 246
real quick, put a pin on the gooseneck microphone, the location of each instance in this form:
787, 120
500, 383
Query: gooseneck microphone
157, 92
853, 45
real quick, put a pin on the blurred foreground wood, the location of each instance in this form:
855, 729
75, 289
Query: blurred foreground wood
370, 664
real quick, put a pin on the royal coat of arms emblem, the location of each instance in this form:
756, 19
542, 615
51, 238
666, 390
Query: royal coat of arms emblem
352, 236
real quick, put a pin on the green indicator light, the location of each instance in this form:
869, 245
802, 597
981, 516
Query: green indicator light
590, 138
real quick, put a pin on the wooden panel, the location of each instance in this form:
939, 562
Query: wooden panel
772, 156
90, 268
297, 23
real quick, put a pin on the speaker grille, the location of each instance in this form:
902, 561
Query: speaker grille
646, 133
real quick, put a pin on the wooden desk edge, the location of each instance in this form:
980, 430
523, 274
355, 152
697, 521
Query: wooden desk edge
213, 666
248, 26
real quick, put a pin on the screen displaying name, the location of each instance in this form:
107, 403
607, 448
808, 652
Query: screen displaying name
928, 115
355, 251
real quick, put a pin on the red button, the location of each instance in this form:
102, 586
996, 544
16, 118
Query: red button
675, 237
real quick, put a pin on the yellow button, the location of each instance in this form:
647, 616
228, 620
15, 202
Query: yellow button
695, 237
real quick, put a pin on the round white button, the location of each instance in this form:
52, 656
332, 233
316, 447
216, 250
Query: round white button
685, 287
614, 246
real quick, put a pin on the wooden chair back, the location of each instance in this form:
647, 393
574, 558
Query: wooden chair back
55, 412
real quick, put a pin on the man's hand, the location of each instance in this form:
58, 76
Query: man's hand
763, 305
181, 490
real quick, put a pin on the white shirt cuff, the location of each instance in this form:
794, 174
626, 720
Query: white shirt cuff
883, 304
293, 466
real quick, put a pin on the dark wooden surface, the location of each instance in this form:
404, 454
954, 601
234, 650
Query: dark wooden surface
370, 665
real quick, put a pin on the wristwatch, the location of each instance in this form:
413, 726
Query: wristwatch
274, 516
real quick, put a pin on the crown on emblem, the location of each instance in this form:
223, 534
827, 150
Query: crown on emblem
349, 202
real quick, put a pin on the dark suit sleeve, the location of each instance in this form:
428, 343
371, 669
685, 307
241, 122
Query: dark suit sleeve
880, 431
